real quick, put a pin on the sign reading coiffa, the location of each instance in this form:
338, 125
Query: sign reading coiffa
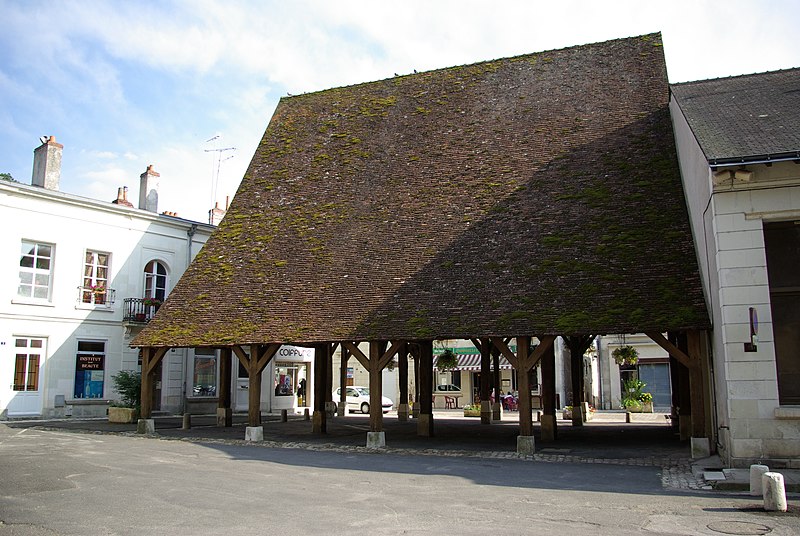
295, 353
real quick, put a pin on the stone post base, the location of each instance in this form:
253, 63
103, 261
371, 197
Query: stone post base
548, 427
486, 412
254, 433
187, 421
330, 409
415, 411
376, 440
402, 413
224, 417
146, 426
525, 446
341, 409
425, 425
319, 424
700, 448
497, 411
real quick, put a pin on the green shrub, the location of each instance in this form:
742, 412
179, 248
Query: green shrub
128, 383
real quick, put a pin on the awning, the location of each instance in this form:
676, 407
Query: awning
472, 362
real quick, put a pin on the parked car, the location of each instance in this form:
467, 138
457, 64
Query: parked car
448, 387
358, 399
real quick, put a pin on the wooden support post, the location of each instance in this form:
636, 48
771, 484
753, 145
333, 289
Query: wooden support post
376, 349
224, 413
486, 404
497, 406
402, 364
549, 424
524, 384
425, 400
319, 424
254, 388
150, 359
342, 409
696, 384
577, 347
415, 404
685, 407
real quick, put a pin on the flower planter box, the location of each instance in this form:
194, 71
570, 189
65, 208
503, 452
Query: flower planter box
472, 413
122, 415
645, 407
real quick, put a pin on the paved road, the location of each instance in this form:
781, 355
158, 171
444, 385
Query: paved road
61, 482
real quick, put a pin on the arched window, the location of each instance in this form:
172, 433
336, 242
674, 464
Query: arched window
155, 280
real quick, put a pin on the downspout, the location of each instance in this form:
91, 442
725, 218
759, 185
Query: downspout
189, 242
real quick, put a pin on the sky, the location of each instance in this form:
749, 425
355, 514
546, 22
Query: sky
190, 86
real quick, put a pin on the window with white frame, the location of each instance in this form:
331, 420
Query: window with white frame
204, 378
35, 270
155, 280
95, 278
28, 358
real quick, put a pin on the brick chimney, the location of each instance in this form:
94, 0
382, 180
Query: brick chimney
148, 190
47, 164
122, 197
216, 214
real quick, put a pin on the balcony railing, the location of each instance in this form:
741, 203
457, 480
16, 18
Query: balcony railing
140, 310
97, 296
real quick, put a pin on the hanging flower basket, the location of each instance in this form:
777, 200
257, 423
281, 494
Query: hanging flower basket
447, 360
625, 355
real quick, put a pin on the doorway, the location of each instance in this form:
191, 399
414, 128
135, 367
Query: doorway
29, 355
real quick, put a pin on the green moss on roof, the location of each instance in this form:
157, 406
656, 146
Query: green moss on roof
532, 195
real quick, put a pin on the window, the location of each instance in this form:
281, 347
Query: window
155, 280
35, 270
95, 278
204, 379
782, 244
26, 369
90, 369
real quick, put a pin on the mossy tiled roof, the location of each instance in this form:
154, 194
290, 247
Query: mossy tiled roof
534, 195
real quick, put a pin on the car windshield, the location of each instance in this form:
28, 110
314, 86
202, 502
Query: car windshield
363, 390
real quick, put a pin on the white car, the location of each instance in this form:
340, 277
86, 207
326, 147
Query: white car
358, 399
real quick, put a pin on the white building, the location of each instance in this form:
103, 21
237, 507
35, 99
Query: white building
78, 290
738, 142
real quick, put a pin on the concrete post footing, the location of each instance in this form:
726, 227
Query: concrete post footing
330, 409
486, 412
526, 445
774, 492
425, 425
548, 427
415, 410
254, 433
628, 416
402, 412
187, 421
341, 409
146, 426
497, 411
376, 440
224, 417
756, 472
701, 448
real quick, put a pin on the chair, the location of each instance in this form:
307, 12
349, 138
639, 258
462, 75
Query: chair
449, 402
512, 403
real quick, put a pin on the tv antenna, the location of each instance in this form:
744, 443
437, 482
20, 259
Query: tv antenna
218, 160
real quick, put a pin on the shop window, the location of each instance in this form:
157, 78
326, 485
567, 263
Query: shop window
204, 377
35, 270
28, 356
90, 369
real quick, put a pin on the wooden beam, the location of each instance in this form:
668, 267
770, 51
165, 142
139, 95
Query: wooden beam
224, 398
502, 345
358, 354
671, 349
388, 355
241, 356
523, 382
266, 354
545, 343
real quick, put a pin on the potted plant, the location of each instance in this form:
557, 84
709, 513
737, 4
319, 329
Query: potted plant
634, 399
472, 410
567, 413
128, 384
152, 302
625, 355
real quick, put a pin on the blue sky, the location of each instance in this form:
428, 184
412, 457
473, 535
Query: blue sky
126, 84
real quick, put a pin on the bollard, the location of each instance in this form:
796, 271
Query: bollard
284, 415
627, 416
306, 414
187, 421
756, 472
774, 492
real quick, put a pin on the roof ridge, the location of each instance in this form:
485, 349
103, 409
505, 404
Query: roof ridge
731, 77
466, 65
